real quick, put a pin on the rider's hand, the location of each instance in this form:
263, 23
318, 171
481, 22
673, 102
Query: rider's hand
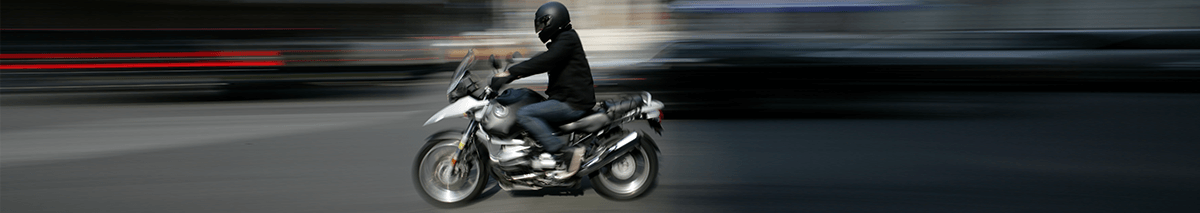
498, 82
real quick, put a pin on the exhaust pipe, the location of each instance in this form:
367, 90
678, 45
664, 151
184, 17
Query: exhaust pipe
610, 154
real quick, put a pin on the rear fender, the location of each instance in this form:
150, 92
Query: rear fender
645, 138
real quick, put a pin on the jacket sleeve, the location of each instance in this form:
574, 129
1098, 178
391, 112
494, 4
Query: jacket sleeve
557, 52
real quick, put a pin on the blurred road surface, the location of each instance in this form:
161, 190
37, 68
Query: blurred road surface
351, 150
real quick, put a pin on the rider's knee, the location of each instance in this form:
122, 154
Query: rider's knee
526, 111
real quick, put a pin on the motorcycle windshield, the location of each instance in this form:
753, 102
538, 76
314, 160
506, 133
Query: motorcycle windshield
461, 70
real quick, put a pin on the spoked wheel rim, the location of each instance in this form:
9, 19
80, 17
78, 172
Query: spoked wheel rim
628, 173
444, 180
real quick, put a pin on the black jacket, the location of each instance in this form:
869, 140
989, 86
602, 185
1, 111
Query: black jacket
567, 67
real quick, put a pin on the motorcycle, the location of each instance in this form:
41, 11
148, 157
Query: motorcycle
453, 166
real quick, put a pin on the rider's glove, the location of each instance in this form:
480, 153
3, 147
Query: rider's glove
498, 82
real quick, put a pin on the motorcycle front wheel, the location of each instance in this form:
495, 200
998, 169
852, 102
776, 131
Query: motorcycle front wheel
444, 183
628, 177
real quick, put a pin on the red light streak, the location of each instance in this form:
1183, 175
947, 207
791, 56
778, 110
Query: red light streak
140, 55
377, 50
400, 59
143, 65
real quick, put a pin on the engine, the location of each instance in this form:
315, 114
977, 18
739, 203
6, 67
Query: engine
516, 156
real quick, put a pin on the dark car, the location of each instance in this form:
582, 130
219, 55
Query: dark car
786, 74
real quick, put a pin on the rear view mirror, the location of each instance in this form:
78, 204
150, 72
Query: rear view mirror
514, 55
495, 63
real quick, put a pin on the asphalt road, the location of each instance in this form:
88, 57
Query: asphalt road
351, 150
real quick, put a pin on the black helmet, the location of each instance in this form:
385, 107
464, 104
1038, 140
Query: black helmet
550, 19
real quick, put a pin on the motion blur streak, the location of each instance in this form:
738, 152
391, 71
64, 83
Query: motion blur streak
156, 29
385, 59
143, 65
140, 55
378, 50
891, 106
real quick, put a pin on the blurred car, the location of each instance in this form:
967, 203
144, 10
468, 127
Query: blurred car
58, 60
782, 73
86, 45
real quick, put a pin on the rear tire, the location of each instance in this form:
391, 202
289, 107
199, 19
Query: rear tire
443, 183
629, 177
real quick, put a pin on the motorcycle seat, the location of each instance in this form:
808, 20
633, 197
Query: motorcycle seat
617, 107
608, 110
590, 123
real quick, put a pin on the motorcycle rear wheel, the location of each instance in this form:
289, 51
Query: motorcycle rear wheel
629, 177
444, 183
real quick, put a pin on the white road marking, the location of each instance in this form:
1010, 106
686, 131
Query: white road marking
123, 136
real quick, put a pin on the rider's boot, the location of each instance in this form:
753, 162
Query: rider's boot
573, 157
576, 154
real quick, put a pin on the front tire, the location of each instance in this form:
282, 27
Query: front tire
629, 177
444, 183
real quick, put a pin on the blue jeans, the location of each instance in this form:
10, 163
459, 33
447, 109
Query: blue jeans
537, 118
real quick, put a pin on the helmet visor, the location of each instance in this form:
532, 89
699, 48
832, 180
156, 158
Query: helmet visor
540, 23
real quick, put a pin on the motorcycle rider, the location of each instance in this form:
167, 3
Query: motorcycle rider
570, 86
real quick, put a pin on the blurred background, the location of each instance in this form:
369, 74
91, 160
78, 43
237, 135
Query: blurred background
779, 105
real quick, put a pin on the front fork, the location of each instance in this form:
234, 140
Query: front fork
464, 146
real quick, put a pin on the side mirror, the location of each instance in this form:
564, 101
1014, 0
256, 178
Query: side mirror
514, 55
495, 63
